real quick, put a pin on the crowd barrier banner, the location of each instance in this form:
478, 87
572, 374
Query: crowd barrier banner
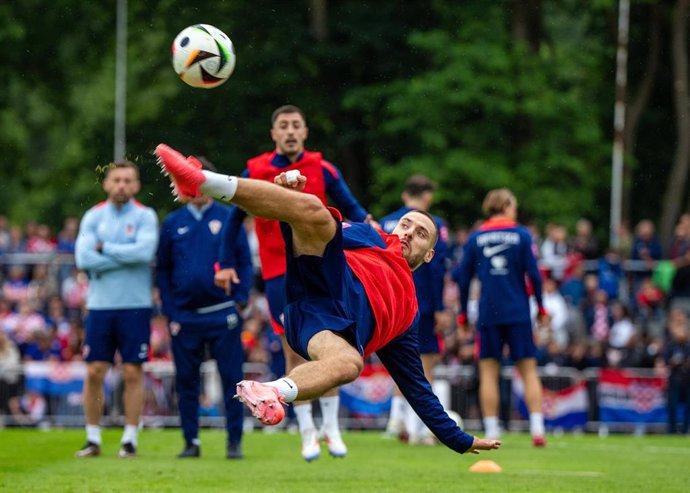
625, 397
370, 394
565, 408
53, 378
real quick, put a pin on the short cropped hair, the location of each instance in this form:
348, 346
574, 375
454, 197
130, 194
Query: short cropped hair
121, 164
288, 108
416, 185
497, 201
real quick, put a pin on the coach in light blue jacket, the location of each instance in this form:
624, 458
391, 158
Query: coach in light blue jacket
202, 315
115, 246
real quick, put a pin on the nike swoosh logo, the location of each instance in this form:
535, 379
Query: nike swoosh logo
288, 384
491, 251
182, 230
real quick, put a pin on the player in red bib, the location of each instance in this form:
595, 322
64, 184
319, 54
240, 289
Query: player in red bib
350, 292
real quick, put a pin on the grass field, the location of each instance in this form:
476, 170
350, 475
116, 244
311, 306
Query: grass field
38, 461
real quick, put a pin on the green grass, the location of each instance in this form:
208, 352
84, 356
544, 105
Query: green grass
38, 461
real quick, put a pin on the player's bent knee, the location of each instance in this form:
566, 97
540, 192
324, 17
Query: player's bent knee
349, 369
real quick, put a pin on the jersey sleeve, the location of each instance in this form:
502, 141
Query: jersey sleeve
244, 268
231, 230
85, 254
143, 249
532, 267
340, 194
401, 359
438, 267
464, 273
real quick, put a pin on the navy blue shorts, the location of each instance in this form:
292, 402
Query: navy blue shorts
428, 338
518, 336
125, 330
323, 294
275, 294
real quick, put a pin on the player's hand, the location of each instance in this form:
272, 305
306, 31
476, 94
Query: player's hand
372, 222
225, 278
292, 181
482, 444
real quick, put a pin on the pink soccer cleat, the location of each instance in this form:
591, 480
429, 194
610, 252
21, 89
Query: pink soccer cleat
185, 173
262, 400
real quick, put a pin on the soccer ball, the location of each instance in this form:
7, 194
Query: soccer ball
203, 56
455, 417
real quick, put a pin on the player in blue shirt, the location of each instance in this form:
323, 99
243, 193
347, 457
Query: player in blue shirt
433, 318
500, 254
201, 315
116, 243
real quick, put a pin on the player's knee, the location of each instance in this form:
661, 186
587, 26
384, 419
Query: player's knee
350, 368
95, 372
132, 373
314, 212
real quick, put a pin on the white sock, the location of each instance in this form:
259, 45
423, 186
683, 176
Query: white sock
305, 420
413, 424
130, 434
287, 388
196, 441
221, 187
491, 427
397, 409
329, 412
536, 424
93, 434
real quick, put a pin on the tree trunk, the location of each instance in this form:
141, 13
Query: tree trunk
526, 22
639, 103
319, 19
679, 174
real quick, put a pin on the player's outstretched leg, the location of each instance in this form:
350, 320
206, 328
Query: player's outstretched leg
263, 401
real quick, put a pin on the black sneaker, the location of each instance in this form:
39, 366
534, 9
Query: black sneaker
189, 452
89, 450
127, 450
234, 451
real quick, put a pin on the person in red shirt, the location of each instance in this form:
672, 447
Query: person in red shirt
289, 131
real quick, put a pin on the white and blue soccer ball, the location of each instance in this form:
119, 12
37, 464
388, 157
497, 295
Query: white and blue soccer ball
203, 56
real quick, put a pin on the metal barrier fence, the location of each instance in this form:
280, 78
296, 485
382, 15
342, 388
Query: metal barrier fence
48, 394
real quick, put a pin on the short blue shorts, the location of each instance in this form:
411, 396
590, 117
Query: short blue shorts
518, 336
124, 330
323, 294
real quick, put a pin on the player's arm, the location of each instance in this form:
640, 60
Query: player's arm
85, 254
340, 194
143, 249
164, 270
401, 359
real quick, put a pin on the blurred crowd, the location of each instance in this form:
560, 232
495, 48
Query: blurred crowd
625, 307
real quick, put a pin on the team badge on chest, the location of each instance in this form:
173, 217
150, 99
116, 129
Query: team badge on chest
215, 226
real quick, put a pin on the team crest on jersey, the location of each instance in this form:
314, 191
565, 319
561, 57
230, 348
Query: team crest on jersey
215, 226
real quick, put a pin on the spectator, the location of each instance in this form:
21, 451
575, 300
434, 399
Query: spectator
16, 286
4, 234
554, 250
67, 237
22, 325
41, 241
9, 372
557, 308
650, 304
646, 246
573, 288
677, 359
621, 336
43, 346
598, 317
584, 243
610, 273
17, 242
43, 284
73, 291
